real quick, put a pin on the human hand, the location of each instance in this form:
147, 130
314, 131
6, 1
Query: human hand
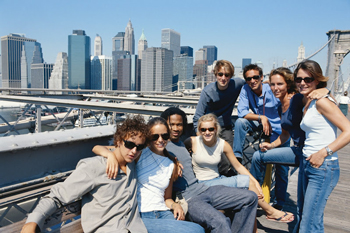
178, 211
267, 129
112, 166
260, 192
180, 168
317, 159
318, 93
264, 146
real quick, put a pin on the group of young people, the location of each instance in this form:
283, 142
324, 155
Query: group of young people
126, 190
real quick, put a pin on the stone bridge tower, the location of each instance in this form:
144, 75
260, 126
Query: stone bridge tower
338, 48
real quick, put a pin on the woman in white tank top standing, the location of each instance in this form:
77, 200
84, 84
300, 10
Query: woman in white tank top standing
319, 168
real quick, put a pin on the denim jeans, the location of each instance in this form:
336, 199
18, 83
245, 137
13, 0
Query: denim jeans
314, 187
163, 221
282, 155
203, 209
239, 181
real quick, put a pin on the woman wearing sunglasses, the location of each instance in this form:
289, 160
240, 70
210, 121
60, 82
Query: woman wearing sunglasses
156, 170
207, 149
319, 167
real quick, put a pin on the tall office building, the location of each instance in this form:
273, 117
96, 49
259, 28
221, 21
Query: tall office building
245, 62
0, 72
129, 73
101, 73
200, 54
142, 45
98, 46
129, 40
301, 53
40, 73
31, 54
59, 74
11, 51
118, 42
79, 66
183, 72
171, 41
156, 69
212, 53
187, 50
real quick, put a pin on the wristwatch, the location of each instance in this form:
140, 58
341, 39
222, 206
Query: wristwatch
329, 151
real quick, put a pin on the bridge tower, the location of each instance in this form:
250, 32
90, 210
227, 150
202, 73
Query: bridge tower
338, 48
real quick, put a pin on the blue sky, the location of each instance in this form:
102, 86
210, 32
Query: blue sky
269, 31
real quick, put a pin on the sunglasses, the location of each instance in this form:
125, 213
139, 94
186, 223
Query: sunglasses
222, 74
248, 79
165, 136
211, 129
306, 79
131, 145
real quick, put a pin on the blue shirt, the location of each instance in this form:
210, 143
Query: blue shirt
249, 100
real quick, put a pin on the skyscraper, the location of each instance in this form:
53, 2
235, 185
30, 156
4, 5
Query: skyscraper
40, 73
129, 73
245, 62
142, 45
129, 40
79, 60
98, 46
31, 54
201, 54
11, 51
156, 69
118, 42
59, 74
187, 50
101, 73
183, 72
301, 52
171, 41
212, 53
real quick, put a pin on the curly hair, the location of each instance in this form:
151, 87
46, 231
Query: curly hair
132, 126
288, 78
209, 117
175, 111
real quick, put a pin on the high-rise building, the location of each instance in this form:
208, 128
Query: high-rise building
212, 53
59, 74
301, 53
187, 50
118, 42
200, 54
31, 54
129, 40
183, 72
142, 45
40, 73
98, 46
245, 62
171, 41
11, 51
0, 72
101, 73
79, 66
129, 73
116, 55
157, 69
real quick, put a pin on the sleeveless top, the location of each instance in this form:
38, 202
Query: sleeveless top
153, 176
206, 159
319, 131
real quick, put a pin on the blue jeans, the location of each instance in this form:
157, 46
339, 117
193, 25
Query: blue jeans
239, 181
203, 209
282, 155
314, 187
164, 221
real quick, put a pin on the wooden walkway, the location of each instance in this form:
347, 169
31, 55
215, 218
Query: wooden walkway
337, 212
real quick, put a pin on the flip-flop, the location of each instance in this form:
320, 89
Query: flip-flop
291, 219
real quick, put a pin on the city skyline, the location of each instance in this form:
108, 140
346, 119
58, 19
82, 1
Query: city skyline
271, 33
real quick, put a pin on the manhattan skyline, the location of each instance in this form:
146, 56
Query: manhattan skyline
269, 31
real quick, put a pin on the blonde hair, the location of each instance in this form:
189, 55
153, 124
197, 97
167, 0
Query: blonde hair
209, 117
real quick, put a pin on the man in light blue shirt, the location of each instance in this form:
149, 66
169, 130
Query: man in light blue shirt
258, 97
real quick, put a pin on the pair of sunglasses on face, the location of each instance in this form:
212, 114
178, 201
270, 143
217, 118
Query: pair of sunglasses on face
211, 129
220, 74
132, 145
256, 77
306, 79
165, 136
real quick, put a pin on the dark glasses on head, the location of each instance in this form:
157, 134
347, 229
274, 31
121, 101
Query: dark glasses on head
131, 145
165, 136
222, 74
306, 79
256, 77
211, 129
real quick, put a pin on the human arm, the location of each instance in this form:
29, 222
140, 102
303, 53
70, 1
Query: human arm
330, 110
112, 162
282, 138
171, 204
30, 227
318, 93
267, 129
240, 168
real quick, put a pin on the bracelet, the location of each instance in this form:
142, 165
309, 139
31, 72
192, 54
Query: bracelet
259, 119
